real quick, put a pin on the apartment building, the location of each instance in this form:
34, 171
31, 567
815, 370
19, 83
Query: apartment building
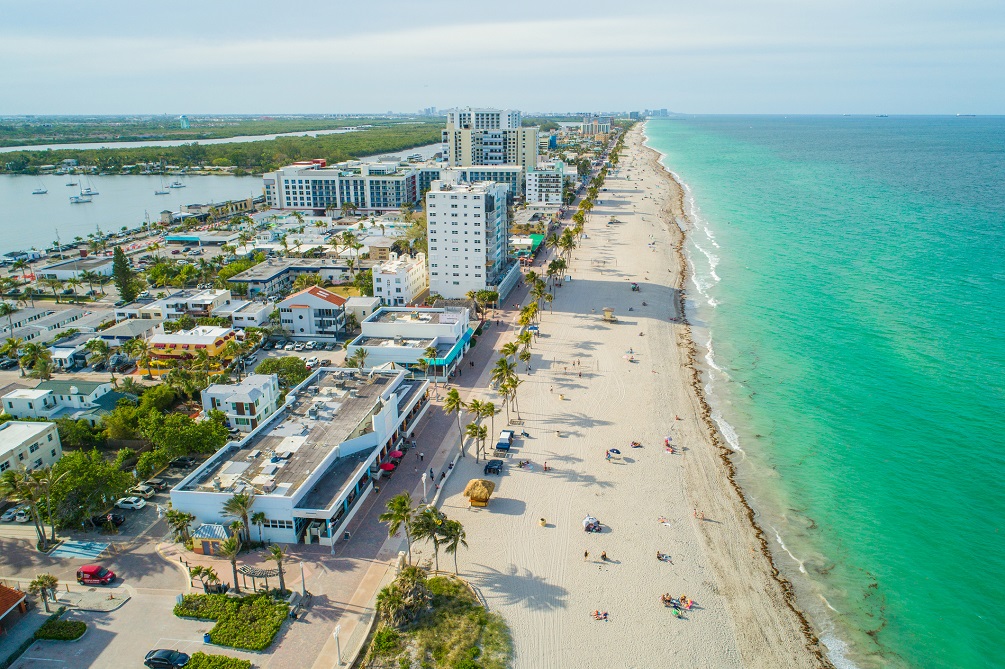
74, 398
468, 238
192, 302
509, 146
367, 186
401, 279
596, 125
485, 119
28, 444
74, 268
276, 275
544, 184
245, 313
247, 404
313, 313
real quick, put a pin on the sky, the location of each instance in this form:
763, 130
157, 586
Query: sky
340, 56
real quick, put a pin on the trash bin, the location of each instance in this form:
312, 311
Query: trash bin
205, 638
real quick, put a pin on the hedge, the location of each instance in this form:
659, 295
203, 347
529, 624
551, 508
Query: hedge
61, 630
249, 623
204, 661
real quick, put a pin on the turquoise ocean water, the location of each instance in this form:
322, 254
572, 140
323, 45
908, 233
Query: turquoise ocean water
848, 296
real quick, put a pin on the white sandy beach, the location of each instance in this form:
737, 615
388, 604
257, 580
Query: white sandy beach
537, 577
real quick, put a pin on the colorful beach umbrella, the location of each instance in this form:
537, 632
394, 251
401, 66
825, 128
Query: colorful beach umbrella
387, 467
396, 454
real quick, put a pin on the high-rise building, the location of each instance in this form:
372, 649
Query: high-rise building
596, 125
468, 239
489, 137
544, 184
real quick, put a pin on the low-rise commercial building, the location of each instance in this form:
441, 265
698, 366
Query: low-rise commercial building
276, 275
28, 444
361, 307
187, 344
196, 303
313, 313
313, 462
400, 280
73, 268
246, 314
131, 328
402, 336
246, 403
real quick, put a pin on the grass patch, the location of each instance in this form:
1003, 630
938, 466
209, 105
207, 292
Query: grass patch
345, 290
249, 623
455, 632
61, 630
204, 661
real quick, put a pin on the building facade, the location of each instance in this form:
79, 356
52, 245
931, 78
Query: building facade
366, 186
510, 146
75, 398
28, 444
402, 337
313, 313
247, 403
196, 303
400, 280
596, 125
468, 237
485, 119
188, 344
545, 182
64, 270
276, 275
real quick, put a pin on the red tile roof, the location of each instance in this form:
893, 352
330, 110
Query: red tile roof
9, 598
323, 294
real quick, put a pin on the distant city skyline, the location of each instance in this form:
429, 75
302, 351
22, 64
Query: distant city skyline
778, 56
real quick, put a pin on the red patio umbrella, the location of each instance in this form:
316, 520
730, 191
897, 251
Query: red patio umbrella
387, 467
396, 454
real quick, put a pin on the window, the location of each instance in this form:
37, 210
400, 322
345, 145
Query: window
33, 448
5, 465
37, 464
53, 452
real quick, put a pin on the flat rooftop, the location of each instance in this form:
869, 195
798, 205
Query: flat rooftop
90, 263
291, 447
15, 432
272, 268
393, 341
424, 316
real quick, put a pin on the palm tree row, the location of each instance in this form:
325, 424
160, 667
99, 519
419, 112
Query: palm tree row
425, 523
32, 488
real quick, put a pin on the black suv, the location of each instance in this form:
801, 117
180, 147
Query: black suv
101, 519
493, 467
183, 462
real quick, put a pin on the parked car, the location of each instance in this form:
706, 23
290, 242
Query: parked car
163, 658
115, 518
131, 503
175, 252
493, 467
331, 346
9, 514
289, 347
312, 362
325, 363
309, 346
299, 346
183, 462
155, 483
94, 574
267, 346
23, 515
144, 491
8, 363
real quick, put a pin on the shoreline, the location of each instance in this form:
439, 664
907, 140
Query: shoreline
674, 211
591, 385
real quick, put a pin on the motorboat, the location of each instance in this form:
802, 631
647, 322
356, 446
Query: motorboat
79, 199
39, 191
176, 184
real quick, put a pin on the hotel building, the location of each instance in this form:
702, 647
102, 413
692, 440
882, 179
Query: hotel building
544, 184
400, 280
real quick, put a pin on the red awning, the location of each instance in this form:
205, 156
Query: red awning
387, 467
396, 454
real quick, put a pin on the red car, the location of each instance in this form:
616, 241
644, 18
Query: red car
94, 574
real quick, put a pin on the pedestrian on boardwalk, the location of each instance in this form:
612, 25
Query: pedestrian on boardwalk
421, 456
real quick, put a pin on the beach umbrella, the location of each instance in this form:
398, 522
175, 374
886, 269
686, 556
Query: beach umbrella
396, 454
615, 451
479, 490
590, 520
387, 467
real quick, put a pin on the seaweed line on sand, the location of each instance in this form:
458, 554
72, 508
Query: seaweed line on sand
813, 644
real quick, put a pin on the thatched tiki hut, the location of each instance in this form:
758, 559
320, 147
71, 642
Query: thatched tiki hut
478, 491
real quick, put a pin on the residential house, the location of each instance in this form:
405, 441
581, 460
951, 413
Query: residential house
313, 313
28, 444
246, 403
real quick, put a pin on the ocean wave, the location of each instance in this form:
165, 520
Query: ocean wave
836, 649
728, 432
778, 538
713, 261
711, 237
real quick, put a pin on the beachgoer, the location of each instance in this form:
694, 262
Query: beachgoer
586, 555
545, 465
421, 456
603, 556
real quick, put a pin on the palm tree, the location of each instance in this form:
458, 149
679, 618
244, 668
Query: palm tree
8, 310
455, 405
11, 348
422, 365
525, 358
400, 514
38, 358
239, 506
478, 434
258, 518
74, 283
489, 409
431, 354
277, 554
47, 480
99, 350
503, 370
44, 585
179, 522
512, 384
358, 359
139, 348
550, 299
230, 549
427, 526
452, 533
510, 349
20, 485
54, 285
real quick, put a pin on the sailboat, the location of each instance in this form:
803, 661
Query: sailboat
89, 190
41, 190
162, 190
176, 184
80, 199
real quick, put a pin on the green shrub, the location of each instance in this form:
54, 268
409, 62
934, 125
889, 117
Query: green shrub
204, 661
250, 623
61, 630
386, 641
